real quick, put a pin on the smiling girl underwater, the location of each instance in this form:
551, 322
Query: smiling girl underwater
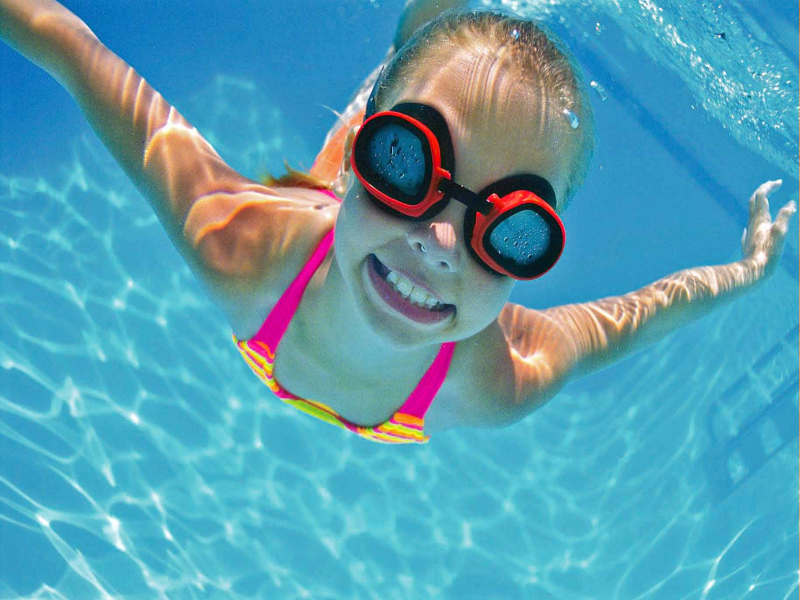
451, 166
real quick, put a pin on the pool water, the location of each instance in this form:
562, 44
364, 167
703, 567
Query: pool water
139, 457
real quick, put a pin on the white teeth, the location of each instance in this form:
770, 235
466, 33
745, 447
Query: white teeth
406, 289
418, 296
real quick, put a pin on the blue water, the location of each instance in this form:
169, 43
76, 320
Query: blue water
139, 457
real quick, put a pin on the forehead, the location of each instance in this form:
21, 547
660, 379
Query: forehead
500, 123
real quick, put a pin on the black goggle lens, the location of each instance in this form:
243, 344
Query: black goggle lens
526, 242
523, 238
395, 159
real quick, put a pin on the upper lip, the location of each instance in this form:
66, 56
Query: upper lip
418, 281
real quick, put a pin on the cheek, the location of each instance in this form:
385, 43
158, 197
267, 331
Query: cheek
345, 239
496, 294
486, 296
360, 227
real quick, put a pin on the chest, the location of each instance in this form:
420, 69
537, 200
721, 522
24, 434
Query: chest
304, 368
323, 357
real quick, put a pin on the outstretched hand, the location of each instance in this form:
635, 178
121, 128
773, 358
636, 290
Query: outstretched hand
763, 239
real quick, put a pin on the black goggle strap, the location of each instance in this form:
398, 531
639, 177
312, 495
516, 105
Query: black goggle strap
480, 202
451, 189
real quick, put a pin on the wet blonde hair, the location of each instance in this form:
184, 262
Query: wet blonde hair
295, 178
536, 53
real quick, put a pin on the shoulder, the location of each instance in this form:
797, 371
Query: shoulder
253, 243
477, 391
501, 374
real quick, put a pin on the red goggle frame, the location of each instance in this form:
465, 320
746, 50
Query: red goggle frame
486, 210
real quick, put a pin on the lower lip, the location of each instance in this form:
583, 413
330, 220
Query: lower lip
403, 306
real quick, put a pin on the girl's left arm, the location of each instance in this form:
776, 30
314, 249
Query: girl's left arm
550, 347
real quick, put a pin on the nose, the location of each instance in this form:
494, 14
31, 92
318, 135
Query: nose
436, 245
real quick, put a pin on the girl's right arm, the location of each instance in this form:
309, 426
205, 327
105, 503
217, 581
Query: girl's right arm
208, 209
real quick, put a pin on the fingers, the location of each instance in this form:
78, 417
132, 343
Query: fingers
760, 226
781, 224
768, 187
759, 201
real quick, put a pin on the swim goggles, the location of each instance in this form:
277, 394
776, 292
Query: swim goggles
404, 159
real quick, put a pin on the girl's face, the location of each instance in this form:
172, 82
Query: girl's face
499, 127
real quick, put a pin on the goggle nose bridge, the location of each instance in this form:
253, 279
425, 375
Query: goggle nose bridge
465, 196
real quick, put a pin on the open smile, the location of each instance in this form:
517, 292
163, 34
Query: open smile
400, 294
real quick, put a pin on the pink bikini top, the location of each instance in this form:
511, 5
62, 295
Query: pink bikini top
405, 426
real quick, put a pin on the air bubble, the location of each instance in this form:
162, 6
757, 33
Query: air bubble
571, 117
601, 91
515, 34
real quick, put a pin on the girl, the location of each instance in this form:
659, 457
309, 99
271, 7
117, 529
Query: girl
441, 188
